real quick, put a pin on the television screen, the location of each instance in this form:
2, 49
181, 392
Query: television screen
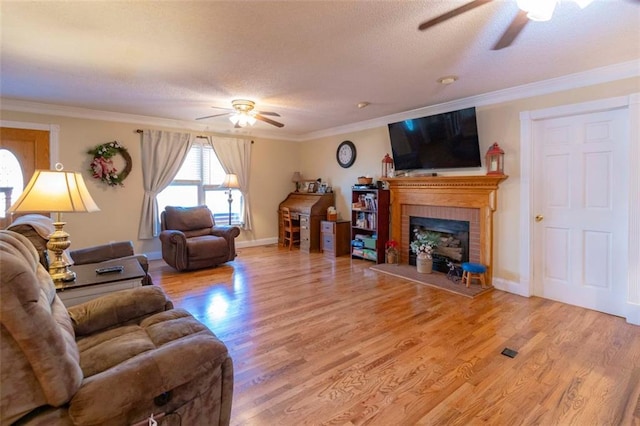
443, 141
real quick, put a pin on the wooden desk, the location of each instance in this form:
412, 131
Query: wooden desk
89, 285
309, 209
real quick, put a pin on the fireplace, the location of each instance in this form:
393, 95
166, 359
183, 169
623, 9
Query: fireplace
470, 199
454, 240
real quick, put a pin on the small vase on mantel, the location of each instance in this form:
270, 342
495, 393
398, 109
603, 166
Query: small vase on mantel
424, 263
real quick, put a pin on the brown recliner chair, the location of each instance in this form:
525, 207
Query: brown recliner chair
191, 239
114, 360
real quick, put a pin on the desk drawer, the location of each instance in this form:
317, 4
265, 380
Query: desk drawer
305, 232
328, 242
327, 227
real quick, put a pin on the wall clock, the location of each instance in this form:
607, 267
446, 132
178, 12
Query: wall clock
346, 154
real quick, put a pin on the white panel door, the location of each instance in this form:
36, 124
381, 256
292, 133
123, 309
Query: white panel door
580, 230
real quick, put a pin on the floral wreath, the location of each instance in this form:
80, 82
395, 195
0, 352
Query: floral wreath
102, 167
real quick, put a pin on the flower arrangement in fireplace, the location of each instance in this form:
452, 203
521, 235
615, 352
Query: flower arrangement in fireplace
424, 242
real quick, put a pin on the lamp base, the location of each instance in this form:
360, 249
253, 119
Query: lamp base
230, 200
63, 274
57, 244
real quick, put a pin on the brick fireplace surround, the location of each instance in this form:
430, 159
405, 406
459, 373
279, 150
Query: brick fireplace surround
467, 198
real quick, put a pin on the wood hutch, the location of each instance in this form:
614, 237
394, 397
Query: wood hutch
310, 209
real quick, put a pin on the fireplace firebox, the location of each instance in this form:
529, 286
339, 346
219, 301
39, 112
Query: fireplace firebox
454, 240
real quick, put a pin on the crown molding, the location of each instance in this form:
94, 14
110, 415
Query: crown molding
138, 120
587, 78
591, 77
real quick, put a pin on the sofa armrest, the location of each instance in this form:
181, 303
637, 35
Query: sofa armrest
226, 231
149, 375
102, 252
118, 308
229, 233
174, 248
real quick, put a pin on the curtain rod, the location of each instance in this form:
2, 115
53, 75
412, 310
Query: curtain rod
201, 137
198, 136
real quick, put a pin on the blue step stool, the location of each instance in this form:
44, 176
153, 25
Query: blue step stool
473, 270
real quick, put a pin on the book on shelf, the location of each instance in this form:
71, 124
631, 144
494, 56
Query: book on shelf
371, 221
370, 202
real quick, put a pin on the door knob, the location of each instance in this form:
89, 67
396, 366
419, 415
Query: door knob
539, 218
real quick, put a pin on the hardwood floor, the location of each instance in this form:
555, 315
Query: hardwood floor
328, 341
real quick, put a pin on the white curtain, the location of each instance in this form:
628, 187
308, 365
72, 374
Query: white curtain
162, 155
235, 157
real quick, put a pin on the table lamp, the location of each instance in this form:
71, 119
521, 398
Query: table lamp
230, 182
296, 178
56, 191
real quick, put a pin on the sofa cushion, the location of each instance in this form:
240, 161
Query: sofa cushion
37, 228
188, 218
39, 359
203, 248
119, 358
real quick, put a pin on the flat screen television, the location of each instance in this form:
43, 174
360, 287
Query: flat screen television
442, 141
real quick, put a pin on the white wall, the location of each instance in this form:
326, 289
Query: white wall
499, 122
274, 162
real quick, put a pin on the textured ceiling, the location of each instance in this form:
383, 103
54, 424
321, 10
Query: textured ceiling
309, 61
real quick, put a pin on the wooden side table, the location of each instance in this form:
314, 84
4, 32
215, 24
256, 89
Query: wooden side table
335, 237
89, 285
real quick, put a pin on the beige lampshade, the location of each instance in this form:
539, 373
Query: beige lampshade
297, 177
55, 191
230, 181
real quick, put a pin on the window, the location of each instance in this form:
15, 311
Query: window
10, 180
198, 183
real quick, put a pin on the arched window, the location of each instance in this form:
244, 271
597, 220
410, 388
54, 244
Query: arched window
11, 182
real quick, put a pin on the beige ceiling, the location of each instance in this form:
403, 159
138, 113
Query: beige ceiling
310, 61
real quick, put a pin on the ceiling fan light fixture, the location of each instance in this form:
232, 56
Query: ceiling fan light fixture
242, 119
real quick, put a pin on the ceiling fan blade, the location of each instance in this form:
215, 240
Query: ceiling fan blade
268, 120
211, 116
273, 114
516, 26
451, 14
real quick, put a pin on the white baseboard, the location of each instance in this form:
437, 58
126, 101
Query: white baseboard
154, 255
633, 313
255, 243
511, 287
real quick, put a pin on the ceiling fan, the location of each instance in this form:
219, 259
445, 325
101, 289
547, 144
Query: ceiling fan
243, 114
530, 10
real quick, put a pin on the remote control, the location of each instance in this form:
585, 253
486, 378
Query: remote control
109, 269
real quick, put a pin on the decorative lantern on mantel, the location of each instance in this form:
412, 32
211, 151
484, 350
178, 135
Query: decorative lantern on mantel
495, 160
387, 166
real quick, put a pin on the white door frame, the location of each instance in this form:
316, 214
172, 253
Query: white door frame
54, 136
631, 103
